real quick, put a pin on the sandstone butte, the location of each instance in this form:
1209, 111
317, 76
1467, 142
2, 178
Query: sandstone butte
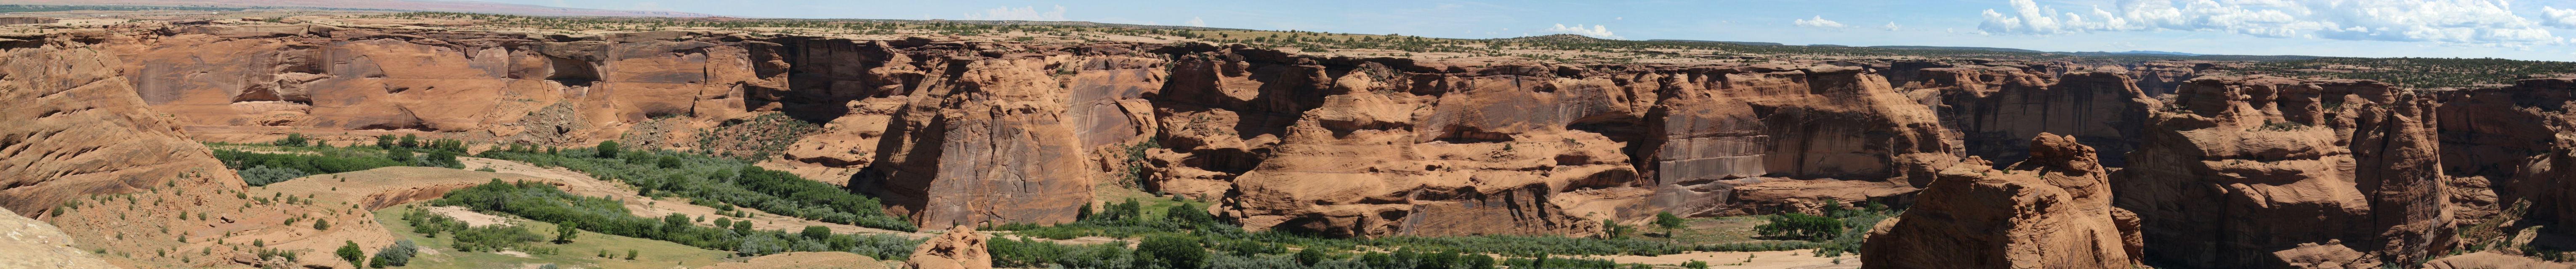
2038, 164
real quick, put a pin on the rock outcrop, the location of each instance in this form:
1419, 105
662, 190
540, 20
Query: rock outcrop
34, 244
2274, 172
960, 248
75, 127
2052, 210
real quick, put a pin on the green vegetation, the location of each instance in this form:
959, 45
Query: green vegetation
718, 180
1839, 230
754, 139
398, 254
1800, 226
544, 203
297, 156
1668, 222
654, 253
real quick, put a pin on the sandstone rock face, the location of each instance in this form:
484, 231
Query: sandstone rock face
1998, 110
975, 132
2514, 140
2052, 210
75, 127
960, 248
33, 244
2272, 172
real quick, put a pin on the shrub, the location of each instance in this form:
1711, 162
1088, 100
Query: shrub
1173, 251
565, 232
1800, 226
398, 254
607, 149
349, 252
264, 175
1669, 222
292, 140
494, 238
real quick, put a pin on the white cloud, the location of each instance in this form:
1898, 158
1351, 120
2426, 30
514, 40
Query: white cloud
1196, 22
1819, 22
1891, 26
2562, 18
1024, 13
1596, 31
2463, 22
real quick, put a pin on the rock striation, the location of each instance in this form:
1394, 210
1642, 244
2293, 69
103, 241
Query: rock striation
2052, 210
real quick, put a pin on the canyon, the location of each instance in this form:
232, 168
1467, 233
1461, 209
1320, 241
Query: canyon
2003, 163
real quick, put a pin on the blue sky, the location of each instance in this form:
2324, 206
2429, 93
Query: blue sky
2528, 29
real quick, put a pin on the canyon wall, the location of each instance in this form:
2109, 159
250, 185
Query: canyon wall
2233, 171
2274, 172
957, 132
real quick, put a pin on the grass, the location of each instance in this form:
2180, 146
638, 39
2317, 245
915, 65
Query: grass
581, 253
1719, 230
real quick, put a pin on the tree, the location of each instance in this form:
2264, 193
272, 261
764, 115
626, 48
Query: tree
292, 140
608, 149
1310, 256
321, 224
385, 141
565, 232
1611, 229
411, 141
349, 252
1801, 226
1173, 251
1669, 222
630, 254
817, 232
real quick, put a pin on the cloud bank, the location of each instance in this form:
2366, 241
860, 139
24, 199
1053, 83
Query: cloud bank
1024, 13
1596, 31
1819, 21
2458, 22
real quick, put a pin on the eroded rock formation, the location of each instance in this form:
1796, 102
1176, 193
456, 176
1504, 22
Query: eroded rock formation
2274, 172
960, 248
2052, 210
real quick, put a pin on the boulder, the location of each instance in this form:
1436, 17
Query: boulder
959, 248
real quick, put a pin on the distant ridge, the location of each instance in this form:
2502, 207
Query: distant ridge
403, 5
2137, 52
1728, 42
1958, 48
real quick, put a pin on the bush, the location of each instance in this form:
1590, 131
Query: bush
398, 254
292, 140
1173, 251
1800, 226
264, 175
607, 149
350, 252
494, 238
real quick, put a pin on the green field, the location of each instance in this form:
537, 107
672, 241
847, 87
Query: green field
583, 252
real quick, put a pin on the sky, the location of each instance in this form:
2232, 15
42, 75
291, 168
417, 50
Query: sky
2527, 29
